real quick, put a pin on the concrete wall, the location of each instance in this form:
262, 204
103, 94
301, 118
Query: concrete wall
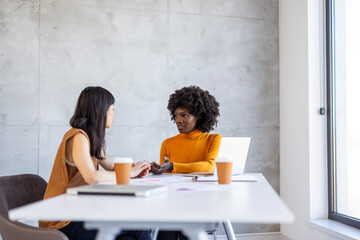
141, 51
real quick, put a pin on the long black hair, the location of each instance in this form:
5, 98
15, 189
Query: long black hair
91, 114
199, 103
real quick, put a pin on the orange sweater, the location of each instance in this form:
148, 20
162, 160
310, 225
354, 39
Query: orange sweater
191, 152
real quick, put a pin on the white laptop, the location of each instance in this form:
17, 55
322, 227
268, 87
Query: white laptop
237, 149
122, 190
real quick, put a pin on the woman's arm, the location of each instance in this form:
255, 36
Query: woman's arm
140, 169
107, 163
163, 153
165, 165
81, 156
82, 159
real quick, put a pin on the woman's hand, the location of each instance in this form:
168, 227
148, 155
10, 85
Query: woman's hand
167, 166
140, 169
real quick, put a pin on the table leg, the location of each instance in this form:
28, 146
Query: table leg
109, 230
105, 231
154, 233
229, 230
195, 233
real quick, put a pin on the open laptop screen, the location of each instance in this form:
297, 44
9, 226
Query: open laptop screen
237, 149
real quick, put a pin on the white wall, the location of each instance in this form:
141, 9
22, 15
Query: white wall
294, 124
303, 168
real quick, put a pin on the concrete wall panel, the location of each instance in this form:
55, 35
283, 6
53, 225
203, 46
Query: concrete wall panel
141, 51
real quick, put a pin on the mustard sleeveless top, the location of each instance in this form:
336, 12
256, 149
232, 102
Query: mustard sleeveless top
63, 176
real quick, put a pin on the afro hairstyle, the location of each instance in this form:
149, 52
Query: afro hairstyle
199, 103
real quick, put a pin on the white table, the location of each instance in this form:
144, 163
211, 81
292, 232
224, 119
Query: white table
188, 206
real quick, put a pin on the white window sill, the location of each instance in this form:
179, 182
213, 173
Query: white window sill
336, 229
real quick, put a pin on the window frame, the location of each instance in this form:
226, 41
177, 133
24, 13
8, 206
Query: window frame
331, 118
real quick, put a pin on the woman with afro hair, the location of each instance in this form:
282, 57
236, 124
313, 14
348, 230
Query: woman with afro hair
195, 113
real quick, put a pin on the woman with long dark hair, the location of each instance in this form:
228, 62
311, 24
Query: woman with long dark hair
81, 152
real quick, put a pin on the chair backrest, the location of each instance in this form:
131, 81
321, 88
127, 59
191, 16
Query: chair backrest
237, 149
18, 190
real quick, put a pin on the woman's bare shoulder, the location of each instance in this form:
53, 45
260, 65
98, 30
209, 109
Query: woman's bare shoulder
79, 138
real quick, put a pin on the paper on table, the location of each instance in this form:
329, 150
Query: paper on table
159, 179
207, 174
234, 178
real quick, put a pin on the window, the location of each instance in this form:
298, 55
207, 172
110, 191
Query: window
343, 113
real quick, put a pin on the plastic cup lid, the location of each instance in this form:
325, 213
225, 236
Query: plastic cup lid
123, 160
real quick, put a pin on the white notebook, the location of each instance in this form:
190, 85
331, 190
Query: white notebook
234, 178
123, 190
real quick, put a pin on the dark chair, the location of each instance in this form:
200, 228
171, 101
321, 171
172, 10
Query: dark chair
18, 190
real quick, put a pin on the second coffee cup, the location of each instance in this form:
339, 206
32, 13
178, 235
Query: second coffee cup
122, 167
224, 170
